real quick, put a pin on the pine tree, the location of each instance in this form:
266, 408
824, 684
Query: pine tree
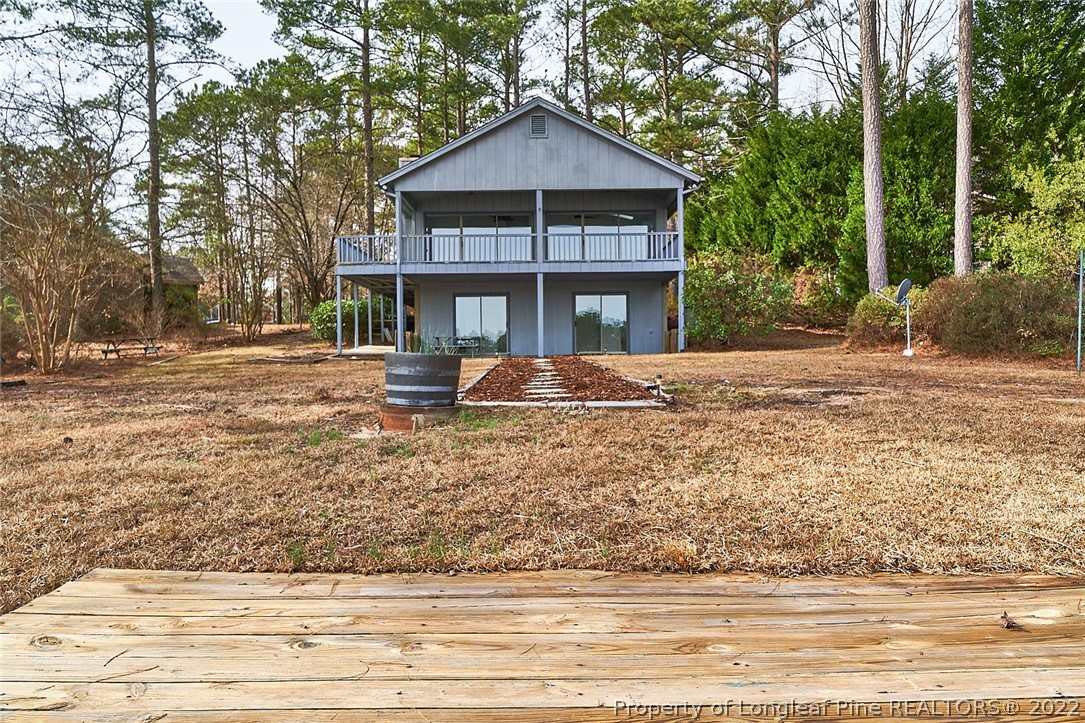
962, 226
137, 44
874, 193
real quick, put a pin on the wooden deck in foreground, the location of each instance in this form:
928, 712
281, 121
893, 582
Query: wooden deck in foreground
550, 646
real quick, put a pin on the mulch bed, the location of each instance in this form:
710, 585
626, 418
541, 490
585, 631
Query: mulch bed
584, 381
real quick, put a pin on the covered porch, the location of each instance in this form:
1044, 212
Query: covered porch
514, 314
368, 333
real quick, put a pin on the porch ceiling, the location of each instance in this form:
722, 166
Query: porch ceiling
384, 285
642, 275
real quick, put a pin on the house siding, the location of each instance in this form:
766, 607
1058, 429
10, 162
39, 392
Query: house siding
647, 310
576, 168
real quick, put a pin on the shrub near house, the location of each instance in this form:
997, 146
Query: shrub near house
875, 322
1001, 313
322, 318
988, 313
731, 295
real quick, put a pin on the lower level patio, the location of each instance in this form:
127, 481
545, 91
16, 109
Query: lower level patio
544, 646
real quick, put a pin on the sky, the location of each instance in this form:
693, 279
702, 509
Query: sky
248, 31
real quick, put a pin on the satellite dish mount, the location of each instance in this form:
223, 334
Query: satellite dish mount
903, 300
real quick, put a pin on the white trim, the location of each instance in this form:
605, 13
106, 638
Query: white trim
401, 339
680, 224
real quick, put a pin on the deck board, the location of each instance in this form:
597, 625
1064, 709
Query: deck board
563, 645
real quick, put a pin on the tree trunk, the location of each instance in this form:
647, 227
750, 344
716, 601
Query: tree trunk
221, 270
567, 70
367, 124
154, 172
774, 66
278, 300
873, 187
516, 70
962, 217
584, 67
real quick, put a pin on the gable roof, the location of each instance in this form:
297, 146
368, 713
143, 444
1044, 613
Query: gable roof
180, 270
691, 178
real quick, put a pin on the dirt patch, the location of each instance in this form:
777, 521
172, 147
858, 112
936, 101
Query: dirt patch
565, 378
801, 397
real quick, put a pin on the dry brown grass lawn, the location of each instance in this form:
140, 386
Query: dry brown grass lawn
799, 459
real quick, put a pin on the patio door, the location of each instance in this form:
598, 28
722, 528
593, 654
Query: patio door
601, 323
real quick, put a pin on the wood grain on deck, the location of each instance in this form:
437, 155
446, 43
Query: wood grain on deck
541, 646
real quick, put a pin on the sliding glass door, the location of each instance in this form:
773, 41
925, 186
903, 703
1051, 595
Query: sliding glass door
601, 323
483, 321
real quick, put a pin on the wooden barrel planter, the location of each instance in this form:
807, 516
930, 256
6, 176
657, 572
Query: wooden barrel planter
421, 380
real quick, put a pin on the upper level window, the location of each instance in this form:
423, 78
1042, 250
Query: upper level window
600, 236
478, 224
479, 237
538, 125
600, 223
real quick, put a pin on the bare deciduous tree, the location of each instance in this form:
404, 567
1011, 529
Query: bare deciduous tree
57, 173
910, 31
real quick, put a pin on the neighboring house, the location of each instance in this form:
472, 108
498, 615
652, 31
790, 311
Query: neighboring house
181, 282
181, 271
536, 234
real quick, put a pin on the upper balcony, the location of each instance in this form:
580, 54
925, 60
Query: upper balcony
455, 253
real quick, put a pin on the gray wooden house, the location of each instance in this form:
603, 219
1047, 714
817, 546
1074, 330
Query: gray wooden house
537, 234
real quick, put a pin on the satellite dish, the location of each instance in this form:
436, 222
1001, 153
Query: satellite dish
902, 291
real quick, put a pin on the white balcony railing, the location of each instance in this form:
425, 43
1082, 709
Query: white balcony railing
470, 248
438, 249
612, 246
367, 249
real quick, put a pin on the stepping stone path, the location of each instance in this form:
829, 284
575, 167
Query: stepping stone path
546, 384
556, 381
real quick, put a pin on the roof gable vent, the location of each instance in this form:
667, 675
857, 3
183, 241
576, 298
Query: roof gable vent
538, 125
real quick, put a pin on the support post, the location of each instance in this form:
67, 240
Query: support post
338, 314
680, 227
540, 253
540, 350
401, 343
908, 326
681, 311
357, 339
369, 312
